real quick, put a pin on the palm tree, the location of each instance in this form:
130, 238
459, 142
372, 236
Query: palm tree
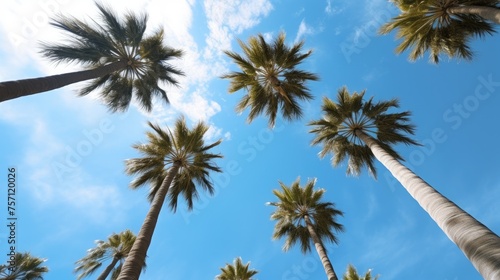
442, 26
236, 271
271, 78
116, 56
26, 267
352, 274
359, 131
172, 162
303, 218
116, 248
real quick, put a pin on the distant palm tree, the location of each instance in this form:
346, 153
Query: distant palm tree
116, 248
172, 162
303, 218
26, 267
359, 131
115, 54
236, 271
352, 274
442, 26
271, 78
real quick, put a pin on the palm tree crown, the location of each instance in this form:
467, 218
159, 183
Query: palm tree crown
116, 249
342, 122
143, 59
352, 274
185, 147
442, 26
27, 268
236, 271
296, 205
269, 74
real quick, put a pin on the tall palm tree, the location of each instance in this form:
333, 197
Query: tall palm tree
352, 274
26, 267
236, 271
116, 248
442, 26
116, 56
303, 218
359, 131
270, 76
173, 163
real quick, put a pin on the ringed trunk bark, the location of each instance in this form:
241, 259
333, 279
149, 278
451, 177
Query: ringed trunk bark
14, 89
488, 13
108, 269
479, 244
132, 267
327, 265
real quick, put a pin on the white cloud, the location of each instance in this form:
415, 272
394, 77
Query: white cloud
304, 29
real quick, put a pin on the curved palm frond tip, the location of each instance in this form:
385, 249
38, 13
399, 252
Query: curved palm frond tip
302, 218
236, 271
174, 163
357, 131
442, 26
352, 274
26, 267
115, 249
119, 59
270, 76
338, 130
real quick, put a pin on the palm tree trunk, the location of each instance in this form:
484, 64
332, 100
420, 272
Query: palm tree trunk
14, 89
327, 265
132, 267
108, 269
488, 13
477, 242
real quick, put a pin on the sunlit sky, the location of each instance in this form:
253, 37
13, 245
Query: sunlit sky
69, 151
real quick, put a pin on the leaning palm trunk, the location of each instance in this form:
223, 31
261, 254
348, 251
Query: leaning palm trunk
477, 242
14, 89
108, 269
488, 13
132, 267
327, 265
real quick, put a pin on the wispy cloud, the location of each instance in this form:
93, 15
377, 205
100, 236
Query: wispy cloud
304, 29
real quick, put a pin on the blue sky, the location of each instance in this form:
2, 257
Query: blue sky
69, 151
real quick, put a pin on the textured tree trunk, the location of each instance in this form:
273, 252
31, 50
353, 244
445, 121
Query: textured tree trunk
477, 242
488, 13
108, 269
14, 89
330, 273
132, 267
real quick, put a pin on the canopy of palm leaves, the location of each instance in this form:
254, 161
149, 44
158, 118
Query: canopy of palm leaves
111, 40
116, 247
295, 203
430, 25
27, 268
336, 131
164, 148
270, 76
352, 274
236, 271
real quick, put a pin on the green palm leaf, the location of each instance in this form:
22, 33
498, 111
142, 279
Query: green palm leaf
236, 271
438, 27
145, 58
27, 268
270, 76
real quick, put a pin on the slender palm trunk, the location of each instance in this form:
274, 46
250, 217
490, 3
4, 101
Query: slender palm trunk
477, 242
132, 267
14, 89
108, 269
488, 13
327, 265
